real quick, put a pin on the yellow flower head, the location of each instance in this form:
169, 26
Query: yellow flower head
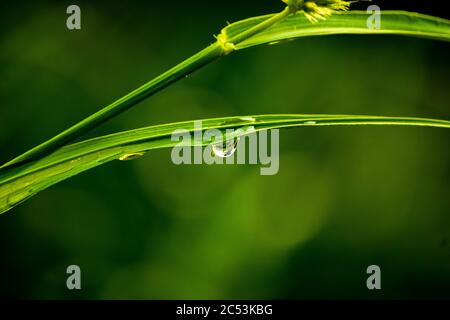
316, 10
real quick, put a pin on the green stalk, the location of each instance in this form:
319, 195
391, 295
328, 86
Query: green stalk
221, 47
186, 67
236, 39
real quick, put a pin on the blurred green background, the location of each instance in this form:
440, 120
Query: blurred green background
344, 197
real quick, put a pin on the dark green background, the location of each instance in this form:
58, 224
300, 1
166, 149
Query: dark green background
344, 198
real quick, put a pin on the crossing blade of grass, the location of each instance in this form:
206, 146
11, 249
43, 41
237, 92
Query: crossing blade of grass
243, 34
22, 182
350, 22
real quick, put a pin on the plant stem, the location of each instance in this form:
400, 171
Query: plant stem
261, 26
186, 67
211, 53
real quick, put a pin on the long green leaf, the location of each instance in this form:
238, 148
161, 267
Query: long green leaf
351, 22
22, 182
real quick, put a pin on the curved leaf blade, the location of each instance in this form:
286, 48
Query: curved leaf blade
20, 183
350, 22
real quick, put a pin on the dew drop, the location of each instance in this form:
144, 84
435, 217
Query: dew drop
225, 149
247, 119
131, 156
280, 41
310, 122
18, 197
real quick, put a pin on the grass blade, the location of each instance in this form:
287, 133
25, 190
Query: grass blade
22, 182
351, 22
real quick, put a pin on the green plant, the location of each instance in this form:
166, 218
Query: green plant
55, 160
